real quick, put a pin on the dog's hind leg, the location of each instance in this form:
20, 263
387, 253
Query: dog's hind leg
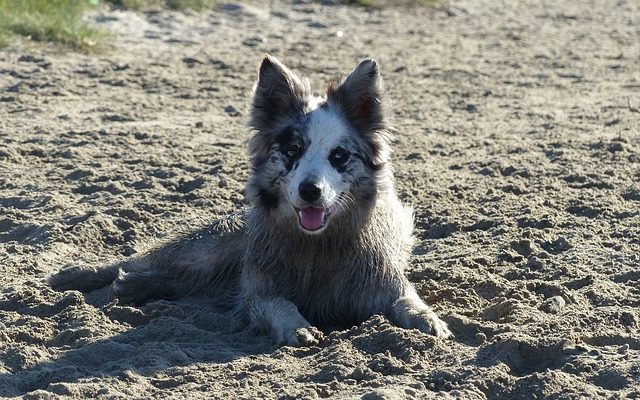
132, 281
207, 261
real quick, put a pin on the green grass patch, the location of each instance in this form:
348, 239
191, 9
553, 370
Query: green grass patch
4, 39
57, 21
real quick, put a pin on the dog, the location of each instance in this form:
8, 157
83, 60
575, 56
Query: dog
324, 240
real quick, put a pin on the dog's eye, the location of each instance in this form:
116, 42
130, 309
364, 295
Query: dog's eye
339, 156
291, 150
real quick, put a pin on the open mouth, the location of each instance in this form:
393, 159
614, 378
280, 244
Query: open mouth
314, 218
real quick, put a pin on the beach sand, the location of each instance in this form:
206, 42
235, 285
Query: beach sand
517, 142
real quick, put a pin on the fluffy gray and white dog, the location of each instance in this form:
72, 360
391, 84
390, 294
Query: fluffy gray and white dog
325, 240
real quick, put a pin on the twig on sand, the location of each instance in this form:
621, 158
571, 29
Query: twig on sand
627, 107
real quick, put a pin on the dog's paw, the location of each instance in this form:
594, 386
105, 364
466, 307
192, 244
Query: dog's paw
296, 331
309, 336
411, 313
428, 322
131, 288
79, 278
302, 337
67, 278
282, 319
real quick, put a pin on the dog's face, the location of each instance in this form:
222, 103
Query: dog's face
316, 158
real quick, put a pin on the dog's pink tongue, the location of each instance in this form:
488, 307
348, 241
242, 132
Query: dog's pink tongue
312, 218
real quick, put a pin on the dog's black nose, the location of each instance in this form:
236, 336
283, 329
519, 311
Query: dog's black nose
309, 191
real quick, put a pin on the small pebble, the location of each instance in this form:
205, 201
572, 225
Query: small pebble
480, 338
231, 111
553, 305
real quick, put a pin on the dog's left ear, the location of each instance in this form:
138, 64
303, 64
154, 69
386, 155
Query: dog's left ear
360, 98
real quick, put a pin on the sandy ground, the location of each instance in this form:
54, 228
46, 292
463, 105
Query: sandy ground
518, 143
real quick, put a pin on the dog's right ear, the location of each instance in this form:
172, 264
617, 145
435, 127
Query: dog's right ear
277, 93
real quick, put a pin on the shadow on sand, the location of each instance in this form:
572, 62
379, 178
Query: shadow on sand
162, 334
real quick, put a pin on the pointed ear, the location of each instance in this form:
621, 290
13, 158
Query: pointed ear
277, 93
360, 98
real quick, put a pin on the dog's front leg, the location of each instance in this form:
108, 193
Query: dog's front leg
281, 318
411, 312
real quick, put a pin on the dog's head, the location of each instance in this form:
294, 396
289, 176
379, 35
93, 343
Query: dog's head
316, 158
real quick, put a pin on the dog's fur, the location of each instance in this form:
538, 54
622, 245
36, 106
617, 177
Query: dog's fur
325, 241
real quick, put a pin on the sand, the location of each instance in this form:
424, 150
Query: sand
517, 142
